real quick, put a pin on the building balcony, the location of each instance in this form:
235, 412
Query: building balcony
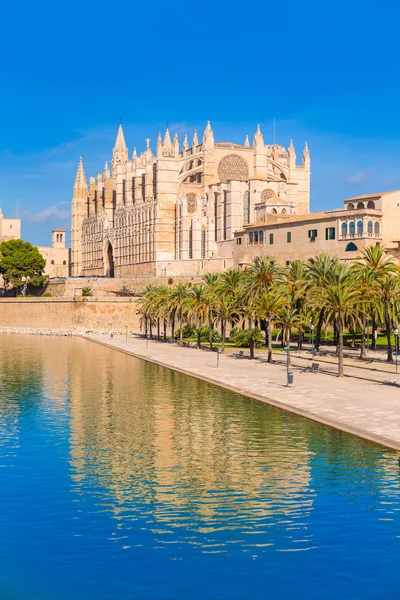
364, 234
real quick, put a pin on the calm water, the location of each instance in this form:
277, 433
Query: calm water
120, 479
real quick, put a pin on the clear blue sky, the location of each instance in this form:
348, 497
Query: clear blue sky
328, 73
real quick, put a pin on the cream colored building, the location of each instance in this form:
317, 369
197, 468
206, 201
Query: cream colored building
372, 219
57, 255
176, 212
10, 229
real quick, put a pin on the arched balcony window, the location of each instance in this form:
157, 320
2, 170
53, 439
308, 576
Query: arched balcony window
352, 228
350, 206
371, 204
344, 228
360, 227
360, 205
376, 227
369, 227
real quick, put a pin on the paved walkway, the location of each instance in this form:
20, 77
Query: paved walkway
369, 408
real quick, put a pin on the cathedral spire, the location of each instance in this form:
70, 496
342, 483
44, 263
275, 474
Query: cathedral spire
195, 141
208, 137
120, 151
159, 145
167, 146
291, 155
80, 186
246, 142
306, 157
185, 144
258, 138
106, 171
176, 145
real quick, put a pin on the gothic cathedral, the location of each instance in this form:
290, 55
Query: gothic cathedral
175, 213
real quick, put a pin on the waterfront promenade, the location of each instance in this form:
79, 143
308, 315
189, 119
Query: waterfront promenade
367, 403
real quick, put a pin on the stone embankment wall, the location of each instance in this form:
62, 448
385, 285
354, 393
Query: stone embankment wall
69, 314
104, 287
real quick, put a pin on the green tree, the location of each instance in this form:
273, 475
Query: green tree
21, 265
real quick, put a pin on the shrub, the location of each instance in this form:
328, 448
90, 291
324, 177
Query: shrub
188, 331
87, 291
46, 295
170, 281
205, 334
240, 337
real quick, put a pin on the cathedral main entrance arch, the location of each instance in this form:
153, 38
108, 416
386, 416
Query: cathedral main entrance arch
109, 261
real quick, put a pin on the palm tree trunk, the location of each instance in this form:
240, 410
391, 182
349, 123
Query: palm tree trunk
151, 328
158, 328
363, 353
388, 328
165, 330
339, 327
300, 340
198, 334
373, 328
223, 335
181, 324
269, 359
173, 327
251, 342
319, 329
210, 326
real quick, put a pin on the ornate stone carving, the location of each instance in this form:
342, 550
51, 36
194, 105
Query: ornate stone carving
233, 166
191, 203
267, 194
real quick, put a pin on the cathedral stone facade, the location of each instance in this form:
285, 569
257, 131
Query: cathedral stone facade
176, 212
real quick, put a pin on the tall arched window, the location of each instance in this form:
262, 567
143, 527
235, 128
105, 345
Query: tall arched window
246, 207
352, 228
369, 227
360, 205
344, 228
376, 227
350, 206
203, 242
371, 204
359, 227
250, 237
191, 240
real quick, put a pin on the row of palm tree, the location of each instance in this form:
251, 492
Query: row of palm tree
320, 291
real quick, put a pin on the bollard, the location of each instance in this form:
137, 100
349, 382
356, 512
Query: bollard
217, 358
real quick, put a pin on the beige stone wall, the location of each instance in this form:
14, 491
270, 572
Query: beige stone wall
55, 259
10, 229
300, 246
67, 313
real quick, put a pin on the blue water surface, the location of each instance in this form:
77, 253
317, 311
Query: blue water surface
120, 479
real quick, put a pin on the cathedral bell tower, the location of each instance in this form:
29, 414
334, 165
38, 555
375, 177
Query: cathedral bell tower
79, 212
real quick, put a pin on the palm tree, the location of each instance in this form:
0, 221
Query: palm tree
389, 290
226, 310
198, 307
179, 299
319, 272
211, 281
340, 300
381, 265
296, 282
268, 307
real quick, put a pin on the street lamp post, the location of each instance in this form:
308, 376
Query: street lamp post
312, 341
396, 340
